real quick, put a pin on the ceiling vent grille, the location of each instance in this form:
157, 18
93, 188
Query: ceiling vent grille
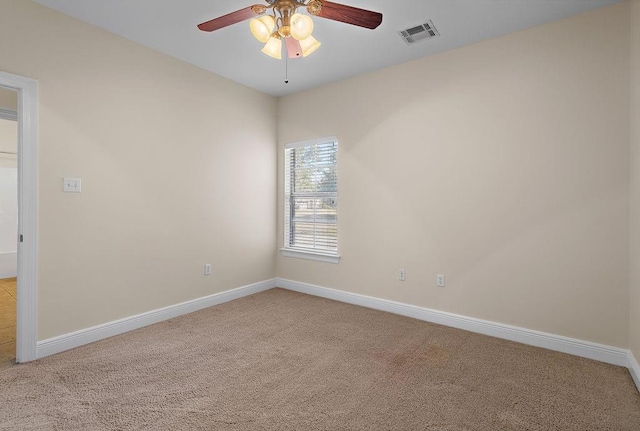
419, 33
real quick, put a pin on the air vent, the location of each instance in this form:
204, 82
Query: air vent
419, 33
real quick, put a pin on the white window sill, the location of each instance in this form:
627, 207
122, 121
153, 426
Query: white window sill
310, 255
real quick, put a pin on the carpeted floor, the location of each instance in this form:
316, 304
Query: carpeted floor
280, 360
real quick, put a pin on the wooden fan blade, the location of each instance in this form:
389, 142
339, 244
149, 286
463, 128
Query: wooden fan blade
347, 14
294, 50
232, 18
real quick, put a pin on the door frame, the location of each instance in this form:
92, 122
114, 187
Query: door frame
27, 115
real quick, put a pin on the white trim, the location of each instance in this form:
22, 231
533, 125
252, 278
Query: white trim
27, 114
634, 369
585, 349
6, 114
117, 327
310, 255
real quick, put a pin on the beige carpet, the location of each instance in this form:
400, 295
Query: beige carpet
280, 360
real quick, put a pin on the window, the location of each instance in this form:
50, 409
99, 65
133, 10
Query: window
311, 200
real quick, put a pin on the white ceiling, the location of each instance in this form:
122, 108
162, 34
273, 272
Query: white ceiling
170, 26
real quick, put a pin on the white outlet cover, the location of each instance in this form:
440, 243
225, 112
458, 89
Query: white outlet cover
72, 185
402, 275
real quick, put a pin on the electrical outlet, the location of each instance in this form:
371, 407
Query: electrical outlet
440, 280
207, 269
402, 275
72, 185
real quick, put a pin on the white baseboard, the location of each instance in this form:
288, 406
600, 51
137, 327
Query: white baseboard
100, 332
598, 352
634, 369
585, 349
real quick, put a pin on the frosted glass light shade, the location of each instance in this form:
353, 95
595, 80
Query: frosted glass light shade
262, 27
273, 48
301, 26
309, 45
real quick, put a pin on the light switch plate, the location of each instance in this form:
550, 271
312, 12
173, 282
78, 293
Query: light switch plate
72, 185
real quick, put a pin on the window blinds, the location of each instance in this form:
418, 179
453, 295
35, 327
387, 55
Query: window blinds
311, 196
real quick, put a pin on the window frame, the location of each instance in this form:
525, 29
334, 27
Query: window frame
301, 252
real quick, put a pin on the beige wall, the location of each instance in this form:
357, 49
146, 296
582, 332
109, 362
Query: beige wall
8, 135
177, 169
503, 165
8, 144
8, 128
8, 99
635, 181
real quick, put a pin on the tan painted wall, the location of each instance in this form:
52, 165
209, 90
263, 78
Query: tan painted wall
8, 99
8, 129
503, 165
635, 181
174, 176
8, 135
8, 143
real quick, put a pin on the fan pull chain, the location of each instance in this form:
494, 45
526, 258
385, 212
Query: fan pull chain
286, 69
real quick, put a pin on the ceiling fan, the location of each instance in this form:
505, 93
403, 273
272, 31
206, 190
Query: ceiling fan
285, 22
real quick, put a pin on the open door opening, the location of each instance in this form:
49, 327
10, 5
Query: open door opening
23, 288
8, 224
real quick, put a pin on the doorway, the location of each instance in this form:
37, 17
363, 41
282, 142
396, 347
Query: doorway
26, 115
8, 224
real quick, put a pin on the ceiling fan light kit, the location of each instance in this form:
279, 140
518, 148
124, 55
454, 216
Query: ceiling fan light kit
262, 27
309, 45
285, 22
288, 24
301, 26
273, 47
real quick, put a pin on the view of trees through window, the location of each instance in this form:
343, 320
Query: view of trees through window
312, 198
